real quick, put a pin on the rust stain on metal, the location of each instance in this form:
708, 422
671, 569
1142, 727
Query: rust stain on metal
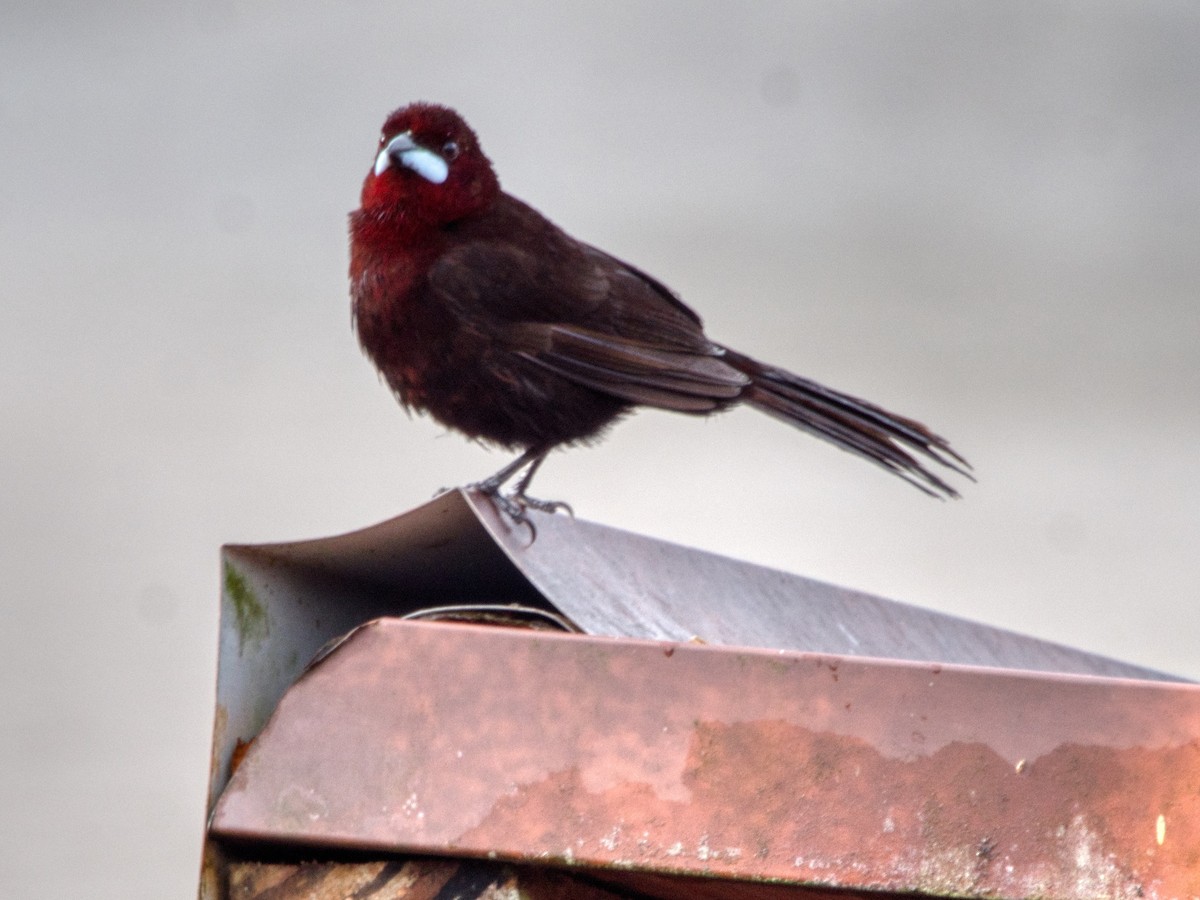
212, 869
411, 879
752, 764
318, 880
220, 725
240, 749
398, 878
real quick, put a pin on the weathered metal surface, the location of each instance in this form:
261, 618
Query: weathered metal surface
657, 759
399, 879
317, 880
459, 548
614, 582
282, 602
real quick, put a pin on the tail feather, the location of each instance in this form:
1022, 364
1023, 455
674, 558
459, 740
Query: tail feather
900, 445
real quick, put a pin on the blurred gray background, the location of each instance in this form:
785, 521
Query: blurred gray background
982, 215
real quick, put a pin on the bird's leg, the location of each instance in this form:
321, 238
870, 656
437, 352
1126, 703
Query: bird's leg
519, 495
516, 503
492, 484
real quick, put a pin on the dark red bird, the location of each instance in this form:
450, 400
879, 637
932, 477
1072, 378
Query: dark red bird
483, 313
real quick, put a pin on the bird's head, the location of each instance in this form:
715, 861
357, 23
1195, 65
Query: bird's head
429, 168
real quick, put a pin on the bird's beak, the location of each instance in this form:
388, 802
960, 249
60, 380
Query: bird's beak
402, 150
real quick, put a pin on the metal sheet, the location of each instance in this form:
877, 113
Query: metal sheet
833, 772
614, 582
282, 602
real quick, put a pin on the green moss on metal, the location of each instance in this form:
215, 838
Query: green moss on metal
248, 611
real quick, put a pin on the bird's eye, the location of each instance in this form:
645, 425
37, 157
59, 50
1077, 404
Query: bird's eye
449, 150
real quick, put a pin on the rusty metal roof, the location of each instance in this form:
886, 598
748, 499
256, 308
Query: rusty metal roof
864, 744
763, 765
282, 602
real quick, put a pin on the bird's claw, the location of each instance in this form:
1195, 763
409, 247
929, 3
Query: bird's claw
546, 506
517, 505
508, 505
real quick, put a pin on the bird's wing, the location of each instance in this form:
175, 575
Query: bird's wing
632, 370
624, 270
567, 308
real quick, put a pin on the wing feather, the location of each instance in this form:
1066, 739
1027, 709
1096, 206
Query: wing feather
586, 316
632, 370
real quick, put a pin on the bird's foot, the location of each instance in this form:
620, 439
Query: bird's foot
517, 505
546, 506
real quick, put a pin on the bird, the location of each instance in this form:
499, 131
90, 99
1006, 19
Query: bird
482, 313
